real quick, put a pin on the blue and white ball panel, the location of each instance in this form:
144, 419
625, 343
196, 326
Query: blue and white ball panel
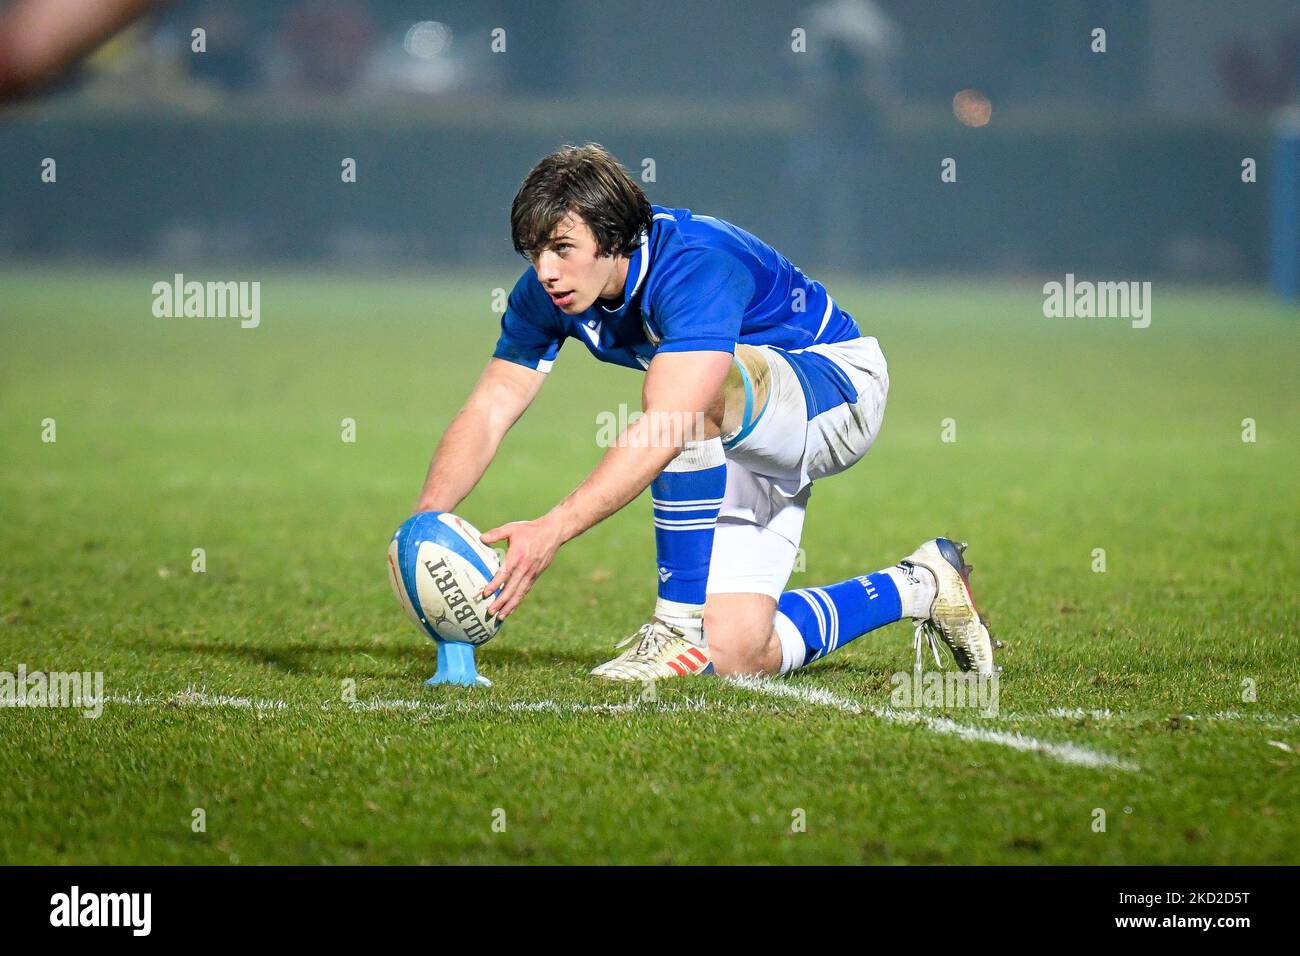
437, 567
399, 587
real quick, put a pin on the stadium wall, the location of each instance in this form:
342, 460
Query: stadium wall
1106, 197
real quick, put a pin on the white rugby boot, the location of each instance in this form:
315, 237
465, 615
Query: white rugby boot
662, 650
953, 617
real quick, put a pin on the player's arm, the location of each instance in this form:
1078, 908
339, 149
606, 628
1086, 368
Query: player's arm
504, 391
681, 389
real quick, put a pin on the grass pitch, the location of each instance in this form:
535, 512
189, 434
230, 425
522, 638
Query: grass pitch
1164, 691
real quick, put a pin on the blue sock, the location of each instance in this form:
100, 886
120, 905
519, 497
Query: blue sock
826, 618
686, 498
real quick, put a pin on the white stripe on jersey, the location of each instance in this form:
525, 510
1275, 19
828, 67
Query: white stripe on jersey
830, 305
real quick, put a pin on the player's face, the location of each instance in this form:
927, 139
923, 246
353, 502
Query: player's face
572, 273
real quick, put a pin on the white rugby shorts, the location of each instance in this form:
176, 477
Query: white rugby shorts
824, 409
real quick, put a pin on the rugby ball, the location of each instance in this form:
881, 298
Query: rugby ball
438, 566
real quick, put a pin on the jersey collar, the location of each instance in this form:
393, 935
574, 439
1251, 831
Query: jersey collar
637, 267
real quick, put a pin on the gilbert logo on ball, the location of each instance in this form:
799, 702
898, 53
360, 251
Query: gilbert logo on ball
438, 567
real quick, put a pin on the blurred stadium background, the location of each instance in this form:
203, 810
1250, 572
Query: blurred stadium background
1126, 162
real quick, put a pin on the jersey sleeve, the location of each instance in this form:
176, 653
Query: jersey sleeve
699, 304
531, 334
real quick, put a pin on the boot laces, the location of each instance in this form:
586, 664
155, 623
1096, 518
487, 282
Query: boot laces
926, 630
653, 638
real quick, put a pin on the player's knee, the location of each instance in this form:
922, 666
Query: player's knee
739, 645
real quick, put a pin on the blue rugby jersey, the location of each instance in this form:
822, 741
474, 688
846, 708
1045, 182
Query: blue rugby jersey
696, 283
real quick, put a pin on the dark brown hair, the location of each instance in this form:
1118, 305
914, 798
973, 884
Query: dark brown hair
588, 182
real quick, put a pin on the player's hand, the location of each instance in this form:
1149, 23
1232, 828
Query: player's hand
532, 548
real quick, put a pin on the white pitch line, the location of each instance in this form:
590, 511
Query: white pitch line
467, 705
1077, 713
649, 707
809, 695
1104, 716
193, 698
379, 703
196, 698
1065, 753
1234, 715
